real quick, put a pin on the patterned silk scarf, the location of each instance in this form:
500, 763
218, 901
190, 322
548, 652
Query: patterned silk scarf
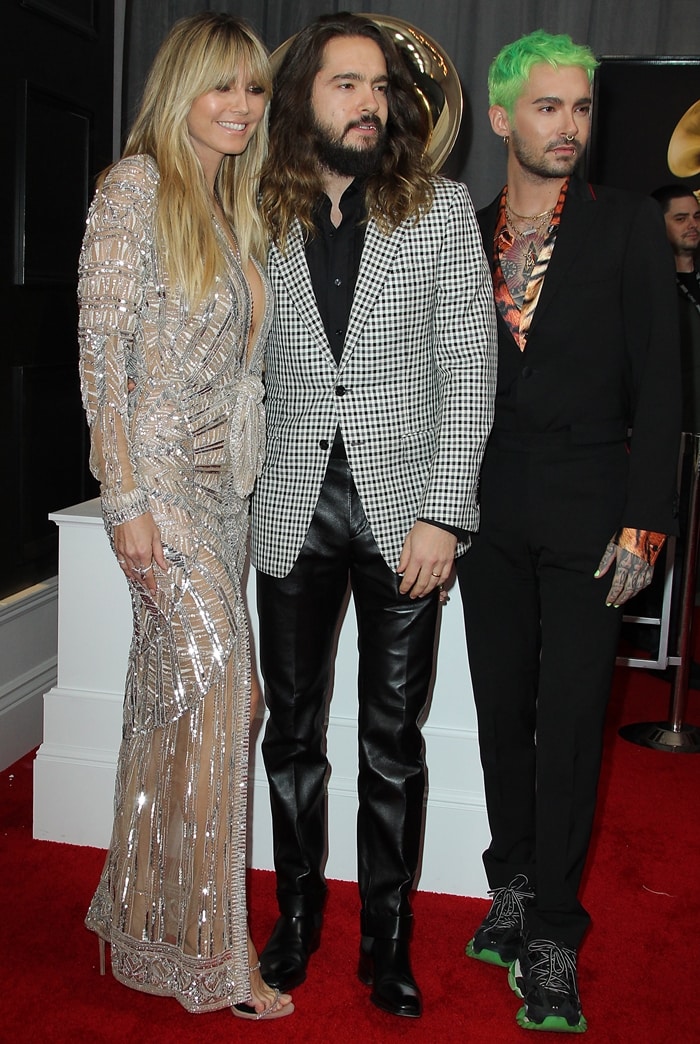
508, 257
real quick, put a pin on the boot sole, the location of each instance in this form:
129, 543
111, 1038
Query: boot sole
551, 1024
486, 955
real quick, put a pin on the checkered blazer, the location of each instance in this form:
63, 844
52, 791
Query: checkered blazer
413, 392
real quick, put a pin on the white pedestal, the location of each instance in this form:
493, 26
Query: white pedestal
75, 766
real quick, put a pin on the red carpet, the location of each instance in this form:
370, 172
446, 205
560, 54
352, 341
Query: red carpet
637, 966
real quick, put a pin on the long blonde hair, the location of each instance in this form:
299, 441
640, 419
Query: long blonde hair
198, 55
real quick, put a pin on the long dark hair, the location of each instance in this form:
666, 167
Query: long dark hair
292, 176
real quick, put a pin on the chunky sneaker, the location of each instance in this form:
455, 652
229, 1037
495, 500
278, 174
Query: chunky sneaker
499, 937
544, 975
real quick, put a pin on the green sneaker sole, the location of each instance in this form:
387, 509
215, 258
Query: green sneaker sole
486, 955
551, 1024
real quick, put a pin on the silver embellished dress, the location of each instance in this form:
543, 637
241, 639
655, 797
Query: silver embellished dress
185, 445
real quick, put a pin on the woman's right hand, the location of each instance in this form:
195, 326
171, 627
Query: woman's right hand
138, 546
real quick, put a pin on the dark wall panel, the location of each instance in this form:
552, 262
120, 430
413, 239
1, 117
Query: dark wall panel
637, 104
56, 114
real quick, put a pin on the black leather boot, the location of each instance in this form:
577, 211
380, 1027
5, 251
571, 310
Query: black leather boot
284, 960
385, 965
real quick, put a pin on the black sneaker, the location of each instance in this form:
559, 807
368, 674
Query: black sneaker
499, 937
544, 975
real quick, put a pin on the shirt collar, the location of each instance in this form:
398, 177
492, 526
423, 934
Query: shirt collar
351, 201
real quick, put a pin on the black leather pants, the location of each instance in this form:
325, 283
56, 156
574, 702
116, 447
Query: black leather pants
298, 618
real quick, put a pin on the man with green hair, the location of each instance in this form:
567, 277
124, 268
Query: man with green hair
577, 491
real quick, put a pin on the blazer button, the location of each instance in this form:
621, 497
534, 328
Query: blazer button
527, 372
340, 391
324, 444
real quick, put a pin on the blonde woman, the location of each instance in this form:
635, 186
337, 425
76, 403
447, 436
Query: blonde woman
174, 309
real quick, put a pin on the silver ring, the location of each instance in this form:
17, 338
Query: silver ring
121, 561
142, 570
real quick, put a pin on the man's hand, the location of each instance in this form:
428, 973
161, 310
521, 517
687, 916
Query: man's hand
426, 559
632, 574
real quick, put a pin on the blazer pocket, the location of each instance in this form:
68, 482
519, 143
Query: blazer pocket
599, 432
418, 446
274, 453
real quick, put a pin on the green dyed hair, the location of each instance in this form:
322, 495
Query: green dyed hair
510, 70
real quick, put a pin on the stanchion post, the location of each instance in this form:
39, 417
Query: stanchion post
674, 735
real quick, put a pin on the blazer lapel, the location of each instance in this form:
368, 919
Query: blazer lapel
578, 221
294, 272
378, 255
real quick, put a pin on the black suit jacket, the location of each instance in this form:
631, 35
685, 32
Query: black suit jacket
602, 357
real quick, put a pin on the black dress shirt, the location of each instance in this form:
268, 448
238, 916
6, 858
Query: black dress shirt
333, 256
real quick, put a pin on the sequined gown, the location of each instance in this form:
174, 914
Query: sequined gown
186, 444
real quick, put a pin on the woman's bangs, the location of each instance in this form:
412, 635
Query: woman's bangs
230, 57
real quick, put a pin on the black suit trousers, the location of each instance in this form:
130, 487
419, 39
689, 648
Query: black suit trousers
542, 646
298, 617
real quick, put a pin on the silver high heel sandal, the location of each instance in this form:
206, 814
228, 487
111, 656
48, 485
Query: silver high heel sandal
247, 1011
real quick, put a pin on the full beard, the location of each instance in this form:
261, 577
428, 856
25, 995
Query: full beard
347, 160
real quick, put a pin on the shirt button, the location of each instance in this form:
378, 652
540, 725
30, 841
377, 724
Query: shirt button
338, 333
338, 282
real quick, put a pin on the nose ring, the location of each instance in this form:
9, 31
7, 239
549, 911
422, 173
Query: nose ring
570, 137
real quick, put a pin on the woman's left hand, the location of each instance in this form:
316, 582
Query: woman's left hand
138, 545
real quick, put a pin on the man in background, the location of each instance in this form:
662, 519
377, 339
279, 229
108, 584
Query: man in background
681, 211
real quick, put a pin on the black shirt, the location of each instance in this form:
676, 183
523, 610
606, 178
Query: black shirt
333, 256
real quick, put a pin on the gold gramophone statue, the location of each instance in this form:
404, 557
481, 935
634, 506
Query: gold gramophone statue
684, 147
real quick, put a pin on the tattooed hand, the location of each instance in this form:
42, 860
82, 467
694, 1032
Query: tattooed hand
632, 574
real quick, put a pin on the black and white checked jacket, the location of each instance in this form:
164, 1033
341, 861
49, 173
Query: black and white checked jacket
413, 392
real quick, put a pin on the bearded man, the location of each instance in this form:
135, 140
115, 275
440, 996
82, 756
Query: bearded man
380, 378
681, 210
